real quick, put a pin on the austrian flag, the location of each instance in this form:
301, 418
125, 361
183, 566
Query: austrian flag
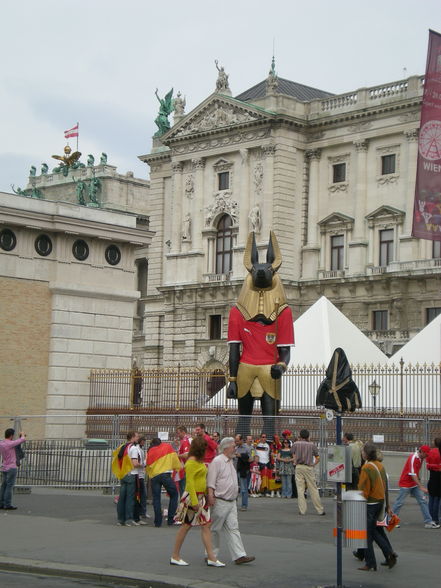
73, 132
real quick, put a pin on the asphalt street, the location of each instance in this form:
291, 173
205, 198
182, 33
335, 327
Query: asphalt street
74, 534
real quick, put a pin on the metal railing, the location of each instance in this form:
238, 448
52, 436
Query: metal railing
403, 389
86, 463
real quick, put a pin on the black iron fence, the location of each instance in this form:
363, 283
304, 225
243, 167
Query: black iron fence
86, 463
400, 388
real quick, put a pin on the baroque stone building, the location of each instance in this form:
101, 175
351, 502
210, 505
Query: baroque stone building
333, 175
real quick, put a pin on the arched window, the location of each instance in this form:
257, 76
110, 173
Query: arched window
224, 245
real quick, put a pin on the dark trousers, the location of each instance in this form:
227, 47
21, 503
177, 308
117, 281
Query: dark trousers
157, 483
434, 504
377, 534
7, 487
126, 502
182, 486
141, 504
270, 408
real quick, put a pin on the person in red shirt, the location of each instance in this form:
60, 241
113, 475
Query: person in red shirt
184, 447
211, 451
433, 464
410, 485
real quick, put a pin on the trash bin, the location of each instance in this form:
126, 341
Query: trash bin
354, 520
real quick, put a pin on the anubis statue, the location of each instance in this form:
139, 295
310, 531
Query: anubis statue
261, 323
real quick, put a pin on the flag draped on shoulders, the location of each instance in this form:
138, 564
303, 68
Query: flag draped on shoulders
121, 462
162, 458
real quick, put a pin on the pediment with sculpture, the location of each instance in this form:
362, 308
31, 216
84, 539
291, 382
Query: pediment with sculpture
216, 114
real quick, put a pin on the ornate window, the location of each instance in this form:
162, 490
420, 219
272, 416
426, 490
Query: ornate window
215, 326
337, 252
388, 166
335, 232
43, 245
223, 180
436, 249
386, 247
113, 255
80, 250
224, 245
388, 163
432, 313
379, 320
8, 240
338, 173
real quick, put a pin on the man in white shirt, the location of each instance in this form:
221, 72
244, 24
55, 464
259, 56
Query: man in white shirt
222, 494
126, 503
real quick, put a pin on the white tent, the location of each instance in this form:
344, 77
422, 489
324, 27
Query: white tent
321, 329
424, 348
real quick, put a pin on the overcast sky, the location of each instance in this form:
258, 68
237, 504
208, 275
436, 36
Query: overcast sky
99, 62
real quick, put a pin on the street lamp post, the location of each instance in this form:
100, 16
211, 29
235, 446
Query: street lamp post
374, 391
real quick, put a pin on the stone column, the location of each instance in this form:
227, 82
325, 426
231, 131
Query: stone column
358, 246
197, 215
268, 152
177, 168
245, 197
314, 173
411, 251
311, 251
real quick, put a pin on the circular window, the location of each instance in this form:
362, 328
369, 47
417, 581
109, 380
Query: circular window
43, 245
80, 250
8, 240
113, 255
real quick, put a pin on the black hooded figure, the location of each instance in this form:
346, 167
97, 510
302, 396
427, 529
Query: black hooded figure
338, 390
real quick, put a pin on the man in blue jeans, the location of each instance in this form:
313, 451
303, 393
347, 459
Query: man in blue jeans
161, 461
410, 485
9, 467
126, 504
243, 455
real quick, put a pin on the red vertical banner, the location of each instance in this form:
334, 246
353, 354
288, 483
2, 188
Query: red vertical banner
427, 209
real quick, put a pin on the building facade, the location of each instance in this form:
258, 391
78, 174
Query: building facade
68, 295
332, 175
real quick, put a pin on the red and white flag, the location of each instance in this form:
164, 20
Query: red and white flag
73, 132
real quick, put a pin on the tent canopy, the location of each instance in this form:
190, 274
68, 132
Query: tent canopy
323, 328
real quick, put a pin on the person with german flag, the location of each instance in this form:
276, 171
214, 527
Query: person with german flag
161, 461
126, 466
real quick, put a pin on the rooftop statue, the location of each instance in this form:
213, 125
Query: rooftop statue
103, 159
90, 160
44, 169
69, 158
33, 193
33, 171
179, 105
166, 106
222, 84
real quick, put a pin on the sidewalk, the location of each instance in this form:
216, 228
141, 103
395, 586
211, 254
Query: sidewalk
76, 532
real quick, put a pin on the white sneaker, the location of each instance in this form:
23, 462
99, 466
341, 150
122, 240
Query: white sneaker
178, 562
215, 564
432, 525
141, 522
278, 495
272, 493
132, 524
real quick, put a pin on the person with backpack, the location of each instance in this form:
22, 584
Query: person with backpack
9, 467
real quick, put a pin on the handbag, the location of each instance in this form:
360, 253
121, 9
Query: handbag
389, 521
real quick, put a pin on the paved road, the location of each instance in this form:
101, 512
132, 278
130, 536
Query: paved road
76, 531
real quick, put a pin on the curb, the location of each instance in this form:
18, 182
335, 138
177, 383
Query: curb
104, 575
